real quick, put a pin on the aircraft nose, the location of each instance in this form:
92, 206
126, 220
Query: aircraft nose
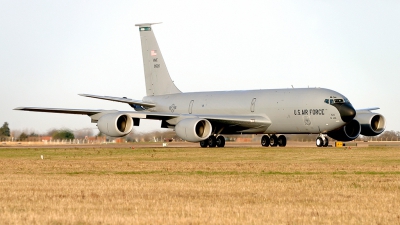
347, 112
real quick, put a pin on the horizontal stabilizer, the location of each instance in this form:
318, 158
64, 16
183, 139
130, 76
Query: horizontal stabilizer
123, 100
145, 24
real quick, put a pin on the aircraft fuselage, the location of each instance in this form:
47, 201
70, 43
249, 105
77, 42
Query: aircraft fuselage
302, 110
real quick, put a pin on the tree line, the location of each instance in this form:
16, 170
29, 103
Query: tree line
6, 134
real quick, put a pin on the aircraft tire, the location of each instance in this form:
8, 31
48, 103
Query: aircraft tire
273, 141
282, 141
319, 142
212, 141
204, 143
220, 141
265, 141
326, 142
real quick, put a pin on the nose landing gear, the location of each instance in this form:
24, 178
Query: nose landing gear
322, 141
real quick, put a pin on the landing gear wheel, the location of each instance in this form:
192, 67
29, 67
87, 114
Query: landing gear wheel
273, 141
212, 141
319, 142
204, 143
282, 141
220, 141
326, 142
265, 141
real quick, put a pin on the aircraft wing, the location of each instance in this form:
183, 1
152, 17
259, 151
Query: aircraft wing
366, 110
223, 123
123, 100
239, 123
227, 123
96, 113
237, 119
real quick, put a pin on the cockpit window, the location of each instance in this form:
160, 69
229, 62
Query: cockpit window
336, 100
339, 101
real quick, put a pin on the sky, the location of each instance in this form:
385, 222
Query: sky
51, 51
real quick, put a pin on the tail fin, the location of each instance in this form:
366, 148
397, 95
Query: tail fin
158, 81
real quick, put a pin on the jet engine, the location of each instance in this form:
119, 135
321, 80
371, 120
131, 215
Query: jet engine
193, 129
115, 124
348, 132
372, 124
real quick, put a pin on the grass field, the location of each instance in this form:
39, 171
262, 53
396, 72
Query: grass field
200, 186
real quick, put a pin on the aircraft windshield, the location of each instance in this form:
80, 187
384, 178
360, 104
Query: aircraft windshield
336, 100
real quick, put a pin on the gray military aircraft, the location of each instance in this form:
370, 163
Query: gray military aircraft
205, 116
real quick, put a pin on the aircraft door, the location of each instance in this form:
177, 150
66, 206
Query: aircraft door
253, 105
191, 106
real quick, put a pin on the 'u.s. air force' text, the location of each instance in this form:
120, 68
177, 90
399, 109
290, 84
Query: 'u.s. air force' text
309, 112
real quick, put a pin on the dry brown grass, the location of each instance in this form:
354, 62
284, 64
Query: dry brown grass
200, 186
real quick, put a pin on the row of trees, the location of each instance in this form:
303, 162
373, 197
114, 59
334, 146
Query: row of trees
156, 136
56, 134
63, 134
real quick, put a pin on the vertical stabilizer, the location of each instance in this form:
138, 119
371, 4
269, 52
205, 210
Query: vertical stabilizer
158, 81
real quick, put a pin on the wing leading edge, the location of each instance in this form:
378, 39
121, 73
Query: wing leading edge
88, 112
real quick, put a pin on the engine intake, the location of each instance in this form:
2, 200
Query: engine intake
193, 129
372, 124
115, 124
348, 132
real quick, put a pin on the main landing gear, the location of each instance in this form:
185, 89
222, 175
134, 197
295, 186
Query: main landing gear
213, 142
273, 141
322, 141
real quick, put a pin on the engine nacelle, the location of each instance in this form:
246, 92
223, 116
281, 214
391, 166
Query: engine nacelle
193, 129
115, 124
348, 132
372, 124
